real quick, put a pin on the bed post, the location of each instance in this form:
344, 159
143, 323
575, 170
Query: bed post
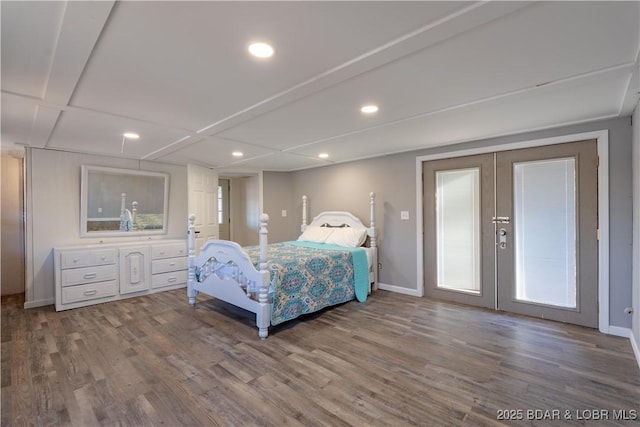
263, 318
191, 247
374, 236
304, 214
372, 219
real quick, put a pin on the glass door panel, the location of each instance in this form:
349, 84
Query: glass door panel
458, 229
545, 232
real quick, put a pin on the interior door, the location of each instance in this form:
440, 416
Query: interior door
547, 253
203, 202
515, 231
459, 243
224, 219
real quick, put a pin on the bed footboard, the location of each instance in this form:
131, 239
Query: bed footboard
224, 271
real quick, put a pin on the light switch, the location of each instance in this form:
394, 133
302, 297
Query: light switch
404, 214
284, 213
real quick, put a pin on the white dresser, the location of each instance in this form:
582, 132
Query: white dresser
168, 265
93, 274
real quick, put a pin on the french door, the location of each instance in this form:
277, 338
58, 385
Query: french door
515, 231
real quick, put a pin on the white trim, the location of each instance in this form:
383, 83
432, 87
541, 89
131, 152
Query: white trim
398, 289
419, 226
602, 136
619, 331
29, 292
603, 226
636, 349
39, 303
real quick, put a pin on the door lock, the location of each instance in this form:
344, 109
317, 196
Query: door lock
502, 238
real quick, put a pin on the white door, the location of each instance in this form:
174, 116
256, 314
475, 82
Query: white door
202, 186
223, 208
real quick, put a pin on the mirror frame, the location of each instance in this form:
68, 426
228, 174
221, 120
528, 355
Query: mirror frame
132, 173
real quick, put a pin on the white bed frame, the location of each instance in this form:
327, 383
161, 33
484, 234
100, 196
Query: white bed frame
232, 278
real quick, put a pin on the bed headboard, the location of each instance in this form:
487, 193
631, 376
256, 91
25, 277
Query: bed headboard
338, 218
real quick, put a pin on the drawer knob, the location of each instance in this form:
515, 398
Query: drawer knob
172, 279
90, 276
91, 292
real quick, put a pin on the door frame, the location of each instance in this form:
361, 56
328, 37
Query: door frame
602, 137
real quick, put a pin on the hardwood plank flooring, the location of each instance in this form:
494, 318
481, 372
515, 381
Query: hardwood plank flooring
394, 360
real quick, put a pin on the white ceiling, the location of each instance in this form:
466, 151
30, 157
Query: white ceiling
77, 75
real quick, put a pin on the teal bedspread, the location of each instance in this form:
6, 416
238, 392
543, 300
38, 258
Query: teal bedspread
307, 277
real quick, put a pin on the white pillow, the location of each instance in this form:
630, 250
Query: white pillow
347, 236
315, 234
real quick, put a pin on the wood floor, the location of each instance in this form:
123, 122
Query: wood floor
394, 360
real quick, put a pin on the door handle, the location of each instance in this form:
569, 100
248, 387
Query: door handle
502, 238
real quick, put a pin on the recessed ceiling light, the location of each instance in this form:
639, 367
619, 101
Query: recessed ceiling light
369, 108
323, 155
261, 50
131, 135
237, 154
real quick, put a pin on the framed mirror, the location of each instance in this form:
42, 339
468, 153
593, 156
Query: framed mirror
123, 202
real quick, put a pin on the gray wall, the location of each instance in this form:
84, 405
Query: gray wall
279, 187
244, 210
53, 210
346, 187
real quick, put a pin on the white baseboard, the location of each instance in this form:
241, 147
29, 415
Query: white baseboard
619, 331
39, 303
399, 289
636, 349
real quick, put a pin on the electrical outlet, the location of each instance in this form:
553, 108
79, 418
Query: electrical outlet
284, 213
404, 215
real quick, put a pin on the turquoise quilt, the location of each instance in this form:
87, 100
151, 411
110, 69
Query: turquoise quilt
307, 277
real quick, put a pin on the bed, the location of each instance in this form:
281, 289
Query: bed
333, 261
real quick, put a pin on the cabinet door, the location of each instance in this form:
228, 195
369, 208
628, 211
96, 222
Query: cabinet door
134, 269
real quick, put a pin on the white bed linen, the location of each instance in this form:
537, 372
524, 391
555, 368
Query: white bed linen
370, 256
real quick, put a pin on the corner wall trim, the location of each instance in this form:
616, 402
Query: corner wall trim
636, 349
39, 303
619, 331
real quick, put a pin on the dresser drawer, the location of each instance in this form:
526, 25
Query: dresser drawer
169, 264
76, 276
90, 291
74, 259
169, 250
168, 279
